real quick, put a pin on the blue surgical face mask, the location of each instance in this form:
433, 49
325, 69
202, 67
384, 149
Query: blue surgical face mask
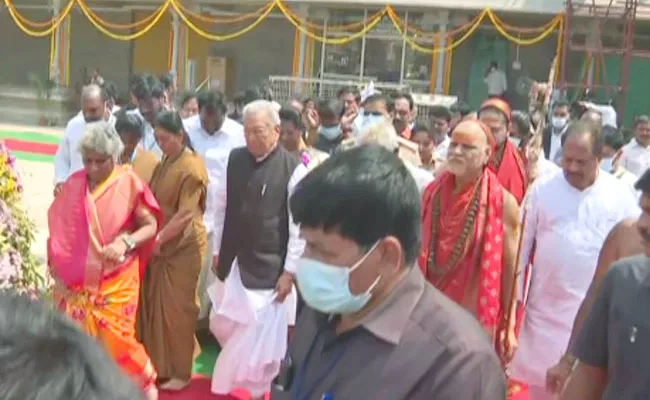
607, 164
370, 120
326, 288
330, 132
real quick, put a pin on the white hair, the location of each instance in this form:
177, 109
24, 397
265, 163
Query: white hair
92, 91
382, 133
262, 106
101, 137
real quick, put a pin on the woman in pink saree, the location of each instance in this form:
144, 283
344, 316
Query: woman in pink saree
102, 228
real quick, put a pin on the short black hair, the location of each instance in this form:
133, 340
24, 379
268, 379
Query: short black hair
349, 190
330, 108
213, 101
252, 94
43, 355
561, 103
129, 123
110, 90
403, 95
146, 87
614, 140
167, 80
643, 184
590, 129
380, 97
187, 96
461, 108
291, 115
522, 120
422, 127
350, 90
440, 112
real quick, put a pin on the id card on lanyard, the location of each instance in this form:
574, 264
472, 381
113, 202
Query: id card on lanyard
299, 393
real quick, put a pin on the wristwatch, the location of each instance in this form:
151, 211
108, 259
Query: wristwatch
130, 243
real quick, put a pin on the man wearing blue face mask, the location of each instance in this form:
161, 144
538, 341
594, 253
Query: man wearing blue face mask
329, 131
370, 313
375, 109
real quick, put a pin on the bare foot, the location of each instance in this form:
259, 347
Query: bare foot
174, 384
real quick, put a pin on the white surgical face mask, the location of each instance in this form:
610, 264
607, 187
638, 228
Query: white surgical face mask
326, 288
515, 140
607, 164
559, 122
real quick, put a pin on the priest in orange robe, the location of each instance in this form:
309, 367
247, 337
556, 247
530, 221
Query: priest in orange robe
506, 162
470, 232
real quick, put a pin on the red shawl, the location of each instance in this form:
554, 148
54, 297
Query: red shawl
509, 167
485, 247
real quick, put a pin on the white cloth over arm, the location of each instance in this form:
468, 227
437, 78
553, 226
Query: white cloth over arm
218, 186
296, 245
252, 330
67, 159
529, 220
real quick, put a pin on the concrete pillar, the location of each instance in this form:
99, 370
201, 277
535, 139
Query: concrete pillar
302, 49
60, 47
55, 45
175, 44
443, 22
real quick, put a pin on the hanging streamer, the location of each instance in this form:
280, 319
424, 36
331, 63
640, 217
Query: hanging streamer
351, 32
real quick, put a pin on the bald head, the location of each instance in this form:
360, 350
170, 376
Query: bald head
92, 92
470, 149
593, 117
479, 132
585, 130
93, 103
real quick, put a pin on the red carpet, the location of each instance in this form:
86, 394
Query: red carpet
31, 147
200, 390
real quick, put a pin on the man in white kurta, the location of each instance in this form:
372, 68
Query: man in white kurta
67, 159
568, 216
256, 250
213, 136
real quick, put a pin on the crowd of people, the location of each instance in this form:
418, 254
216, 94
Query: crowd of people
340, 248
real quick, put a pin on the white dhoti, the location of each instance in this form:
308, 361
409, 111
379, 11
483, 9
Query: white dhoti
252, 330
206, 278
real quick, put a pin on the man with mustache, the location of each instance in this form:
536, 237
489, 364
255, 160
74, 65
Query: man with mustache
612, 348
568, 216
470, 231
623, 241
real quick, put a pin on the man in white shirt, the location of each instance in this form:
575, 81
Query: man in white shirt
68, 158
569, 216
636, 154
213, 136
497, 84
440, 126
611, 162
150, 95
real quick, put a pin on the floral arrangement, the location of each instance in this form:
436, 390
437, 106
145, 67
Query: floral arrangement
19, 268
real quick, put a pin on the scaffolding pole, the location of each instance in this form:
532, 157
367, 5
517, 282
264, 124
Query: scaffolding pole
622, 11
